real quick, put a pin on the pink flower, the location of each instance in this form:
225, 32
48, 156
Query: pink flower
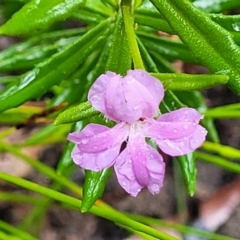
132, 102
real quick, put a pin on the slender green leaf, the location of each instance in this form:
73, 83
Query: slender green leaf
27, 59
154, 22
216, 5
119, 57
75, 85
157, 21
93, 187
44, 38
19, 115
189, 169
98, 7
48, 135
87, 16
76, 113
126, 7
38, 15
170, 49
231, 22
188, 82
163, 65
36, 82
211, 45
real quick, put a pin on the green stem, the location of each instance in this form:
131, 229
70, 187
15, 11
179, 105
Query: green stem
221, 162
15, 231
9, 237
131, 36
38, 214
42, 168
14, 197
223, 113
111, 215
49, 172
232, 106
180, 191
223, 150
178, 227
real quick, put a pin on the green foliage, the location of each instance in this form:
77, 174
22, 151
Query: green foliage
56, 66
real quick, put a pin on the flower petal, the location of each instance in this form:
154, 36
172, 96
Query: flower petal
96, 94
140, 166
97, 161
95, 138
128, 100
181, 115
174, 125
151, 83
184, 145
125, 174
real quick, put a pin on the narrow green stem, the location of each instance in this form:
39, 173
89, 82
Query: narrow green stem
179, 227
223, 150
131, 36
221, 162
8, 237
49, 172
222, 113
233, 106
14, 197
38, 213
6, 132
112, 215
15, 231
180, 193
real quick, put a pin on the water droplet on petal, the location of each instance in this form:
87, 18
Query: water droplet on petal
154, 187
175, 130
203, 131
131, 80
124, 183
84, 140
139, 190
95, 147
194, 124
130, 161
186, 119
135, 108
185, 126
194, 142
94, 98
